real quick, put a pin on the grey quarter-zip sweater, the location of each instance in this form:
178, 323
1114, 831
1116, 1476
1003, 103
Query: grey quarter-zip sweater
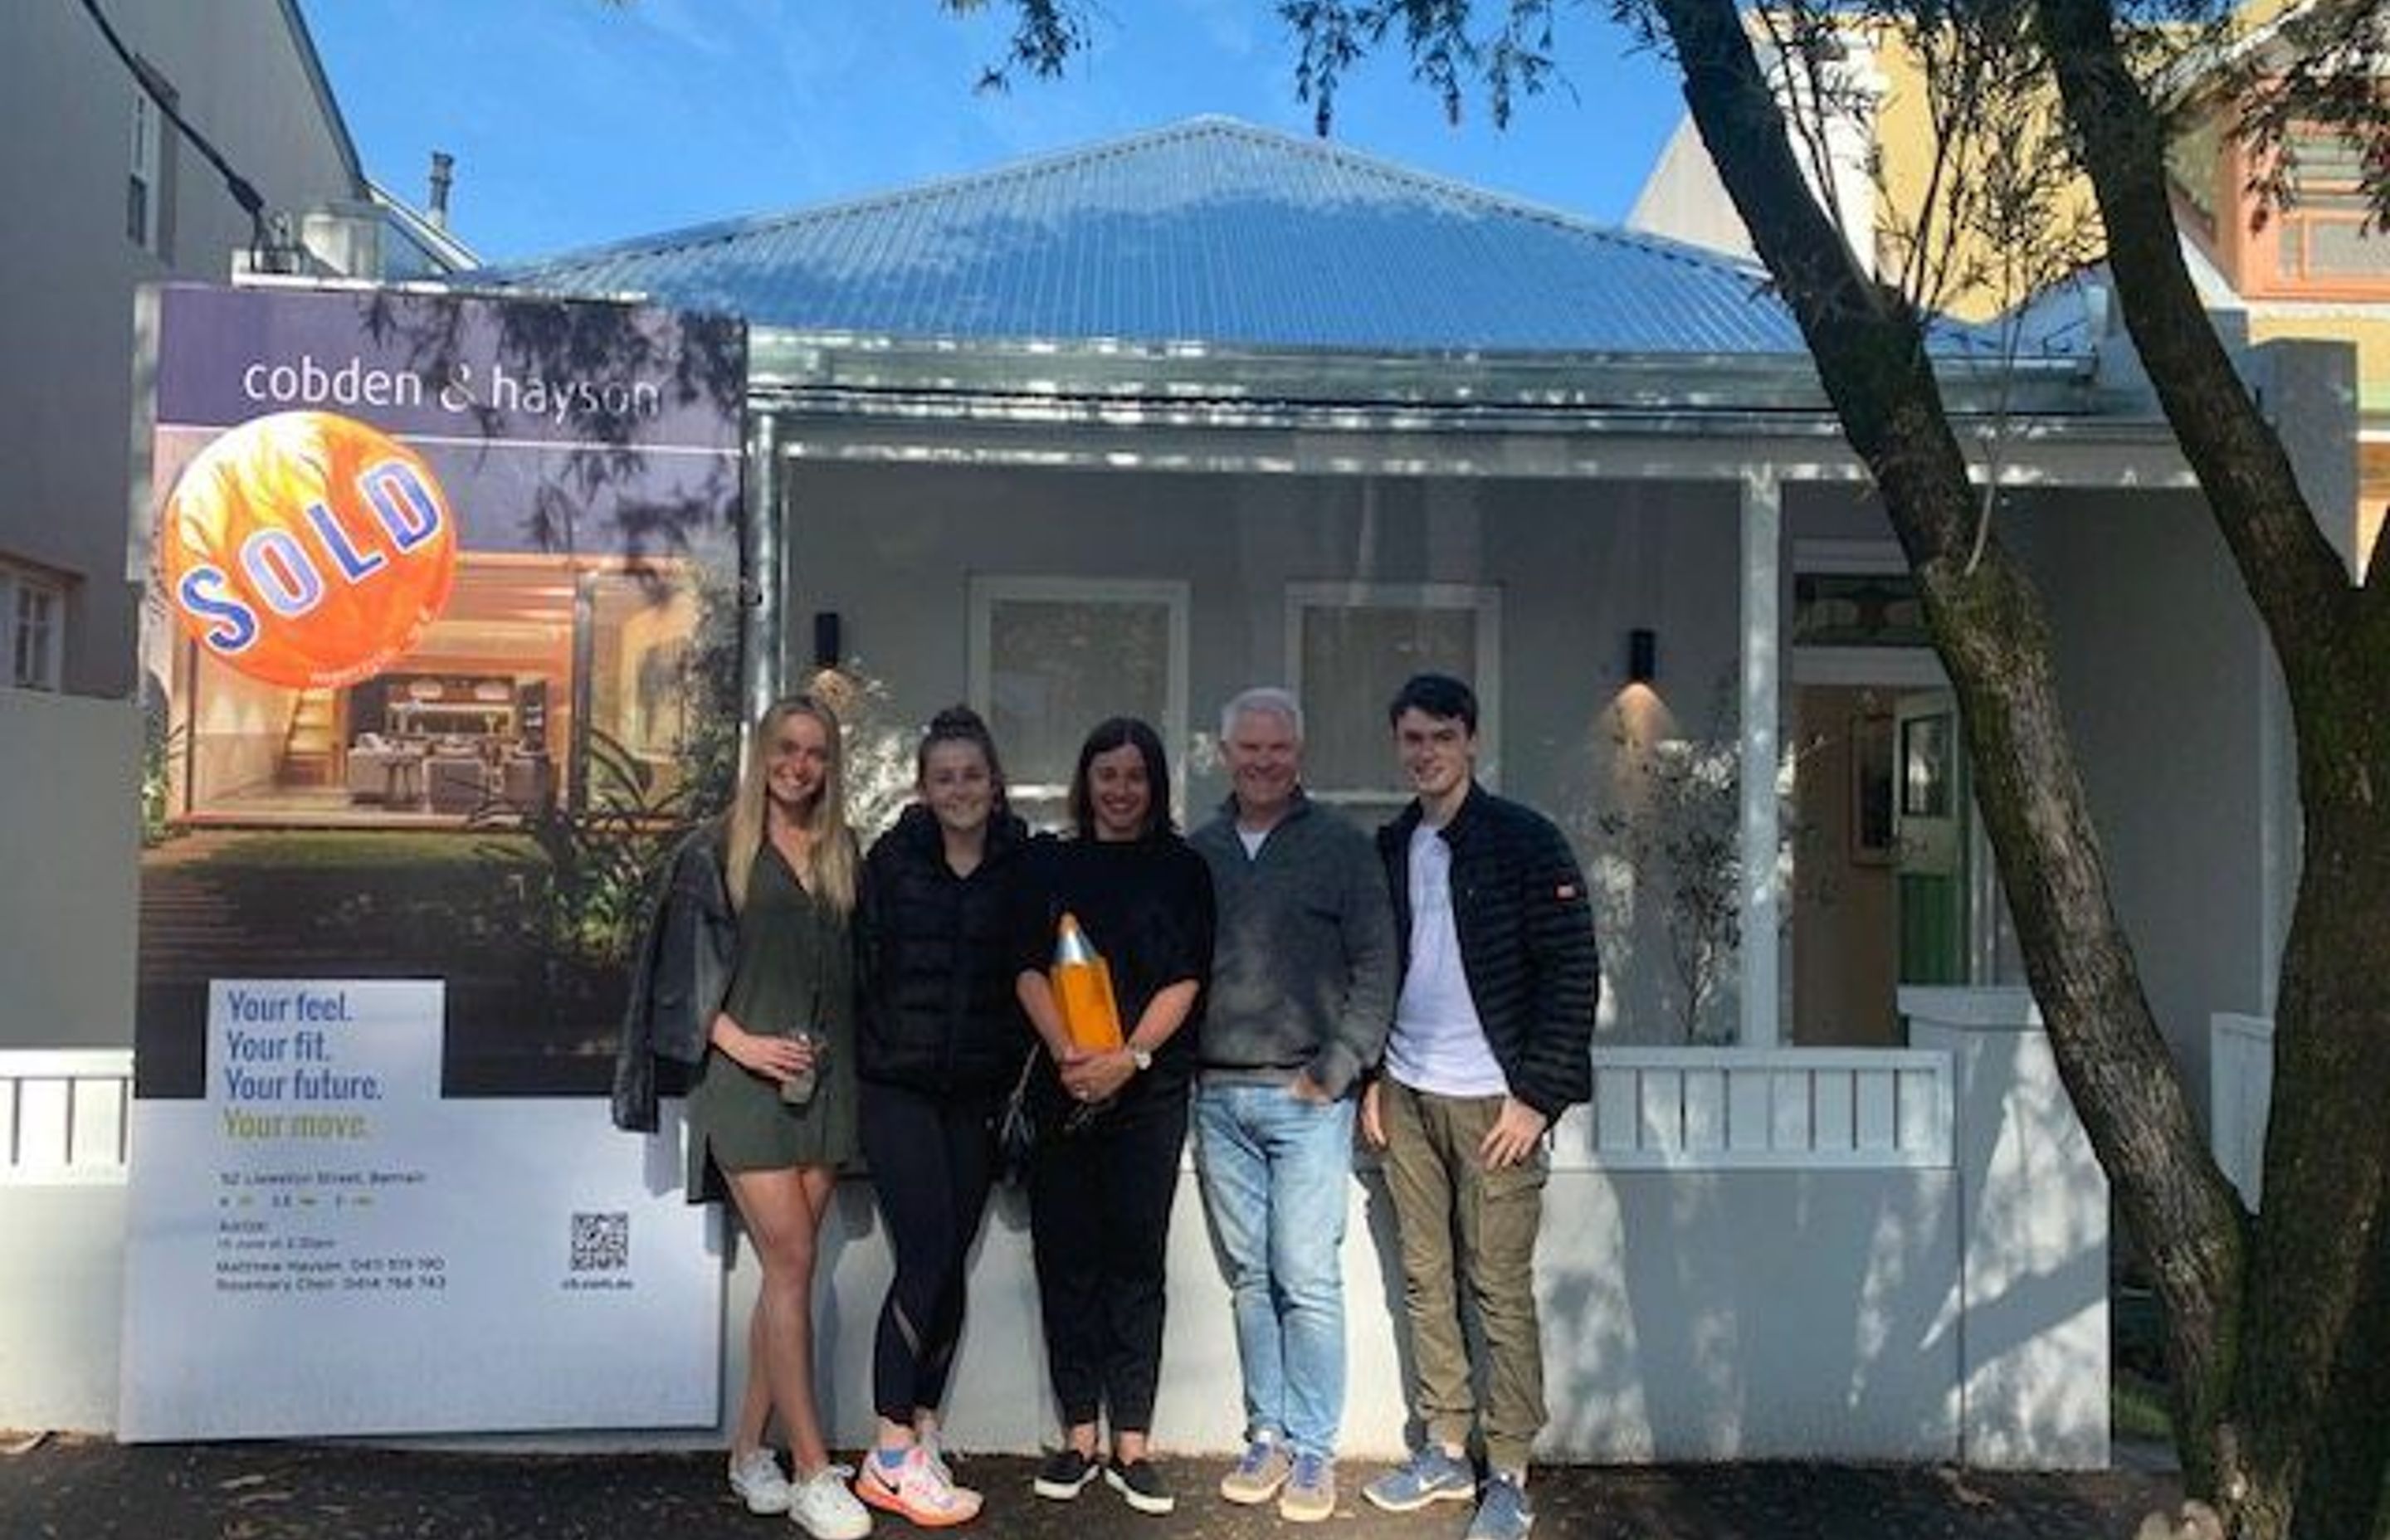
1304, 963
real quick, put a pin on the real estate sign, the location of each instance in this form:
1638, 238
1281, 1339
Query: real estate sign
440, 657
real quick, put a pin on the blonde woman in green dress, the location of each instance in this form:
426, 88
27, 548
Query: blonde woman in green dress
772, 1110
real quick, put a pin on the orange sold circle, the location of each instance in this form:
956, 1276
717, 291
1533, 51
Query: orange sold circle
307, 549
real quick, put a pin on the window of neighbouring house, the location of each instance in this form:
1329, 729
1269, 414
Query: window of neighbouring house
2320, 233
36, 612
144, 181
1052, 657
1349, 648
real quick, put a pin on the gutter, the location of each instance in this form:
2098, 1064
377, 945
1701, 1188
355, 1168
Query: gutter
792, 368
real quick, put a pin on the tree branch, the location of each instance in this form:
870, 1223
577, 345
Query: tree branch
2291, 570
1988, 628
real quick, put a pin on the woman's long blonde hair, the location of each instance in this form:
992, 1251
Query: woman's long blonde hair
830, 859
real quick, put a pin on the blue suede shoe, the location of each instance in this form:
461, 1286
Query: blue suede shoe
1428, 1476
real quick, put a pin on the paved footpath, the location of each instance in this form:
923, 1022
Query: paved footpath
78, 1489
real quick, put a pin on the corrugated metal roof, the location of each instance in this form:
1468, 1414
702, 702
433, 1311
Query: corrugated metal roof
1207, 231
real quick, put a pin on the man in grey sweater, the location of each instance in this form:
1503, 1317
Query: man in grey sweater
1302, 989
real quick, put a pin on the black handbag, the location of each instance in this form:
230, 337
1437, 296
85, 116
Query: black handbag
1016, 1124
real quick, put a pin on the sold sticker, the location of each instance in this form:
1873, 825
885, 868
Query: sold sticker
308, 549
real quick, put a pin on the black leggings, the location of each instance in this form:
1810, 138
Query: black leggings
932, 1160
1099, 1224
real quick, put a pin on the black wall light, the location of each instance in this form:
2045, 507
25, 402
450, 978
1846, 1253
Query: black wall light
828, 652
1642, 656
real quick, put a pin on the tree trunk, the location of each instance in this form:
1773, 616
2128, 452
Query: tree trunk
1988, 628
2306, 1436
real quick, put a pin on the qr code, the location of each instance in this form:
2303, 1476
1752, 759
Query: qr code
601, 1242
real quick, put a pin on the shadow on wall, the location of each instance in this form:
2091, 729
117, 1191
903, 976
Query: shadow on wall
1752, 1315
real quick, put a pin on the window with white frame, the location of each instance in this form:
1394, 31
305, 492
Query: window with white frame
1350, 646
1052, 657
34, 608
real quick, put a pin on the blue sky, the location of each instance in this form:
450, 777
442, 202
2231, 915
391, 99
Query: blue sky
576, 122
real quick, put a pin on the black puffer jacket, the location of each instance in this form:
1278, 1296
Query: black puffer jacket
1525, 926
939, 1013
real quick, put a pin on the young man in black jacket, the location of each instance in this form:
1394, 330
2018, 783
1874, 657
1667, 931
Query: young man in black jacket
1489, 1045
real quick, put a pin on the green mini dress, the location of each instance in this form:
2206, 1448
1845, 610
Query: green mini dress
794, 968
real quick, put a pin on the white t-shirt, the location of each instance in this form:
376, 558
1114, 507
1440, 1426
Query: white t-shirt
1438, 1045
1252, 840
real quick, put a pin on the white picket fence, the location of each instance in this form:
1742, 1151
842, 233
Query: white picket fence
63, 1114
1798, 1109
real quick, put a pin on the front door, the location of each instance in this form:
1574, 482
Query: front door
1932, 811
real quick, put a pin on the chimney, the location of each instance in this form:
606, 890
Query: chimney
443, 173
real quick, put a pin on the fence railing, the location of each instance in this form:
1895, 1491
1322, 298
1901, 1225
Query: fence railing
1731, 1108
63, 1113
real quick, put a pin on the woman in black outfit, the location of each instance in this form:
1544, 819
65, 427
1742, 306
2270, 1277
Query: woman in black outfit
942, 1038
1106, 1167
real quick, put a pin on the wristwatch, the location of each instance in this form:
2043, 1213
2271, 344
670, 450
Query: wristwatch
1141, 1057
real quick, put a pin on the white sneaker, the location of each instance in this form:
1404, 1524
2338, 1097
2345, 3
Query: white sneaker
757, 1480
823, 1508
917, 1491
933, 1449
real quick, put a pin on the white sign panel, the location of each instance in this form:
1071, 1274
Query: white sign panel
323, 1244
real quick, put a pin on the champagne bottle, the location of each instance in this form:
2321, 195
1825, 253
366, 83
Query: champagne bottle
1083, 987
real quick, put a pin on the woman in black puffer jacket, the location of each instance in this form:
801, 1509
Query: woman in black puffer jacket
941, 1040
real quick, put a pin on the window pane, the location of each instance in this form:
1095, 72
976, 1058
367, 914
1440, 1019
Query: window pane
35, 628
1057, 667
1870, 610
143, 170
2341, 247
1354, 660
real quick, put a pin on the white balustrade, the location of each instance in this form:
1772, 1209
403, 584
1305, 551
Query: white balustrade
62, 1115
1784, 1108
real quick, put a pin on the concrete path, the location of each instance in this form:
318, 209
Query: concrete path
93, 1489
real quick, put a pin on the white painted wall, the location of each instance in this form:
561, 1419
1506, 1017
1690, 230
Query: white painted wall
2160, 669
893, 549
68, 271
62, 1146
1663, 1339
70, 825
1839, 1272
2241, 1099
1684, 199
61, 1304
1688, 1315
2032, 1315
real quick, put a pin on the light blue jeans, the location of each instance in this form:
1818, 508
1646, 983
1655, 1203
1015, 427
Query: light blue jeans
1276, 1172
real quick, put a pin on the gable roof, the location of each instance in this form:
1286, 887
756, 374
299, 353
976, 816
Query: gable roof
1210, 231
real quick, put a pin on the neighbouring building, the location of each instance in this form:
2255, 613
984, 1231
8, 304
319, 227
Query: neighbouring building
2311, 269
107, 190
